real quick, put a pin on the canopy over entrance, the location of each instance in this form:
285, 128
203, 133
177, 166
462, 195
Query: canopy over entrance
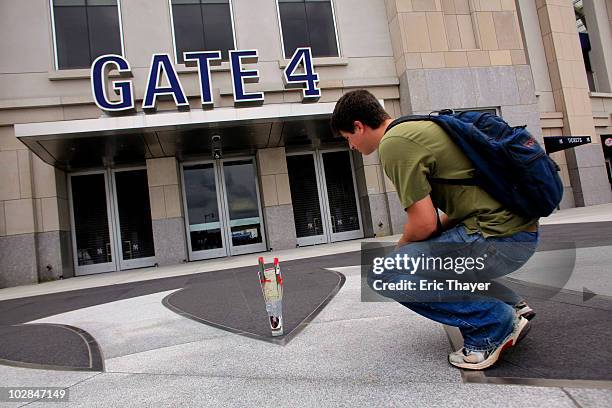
115, 140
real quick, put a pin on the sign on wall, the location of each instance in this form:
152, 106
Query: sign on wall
606, 143
299, 73
558, 143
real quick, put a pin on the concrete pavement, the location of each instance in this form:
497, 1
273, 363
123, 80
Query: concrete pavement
351, 354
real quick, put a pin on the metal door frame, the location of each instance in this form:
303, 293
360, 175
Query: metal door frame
348, 235
80, 270
228, 249
321, 238
131, 263
206, 253
242, 249
329, 236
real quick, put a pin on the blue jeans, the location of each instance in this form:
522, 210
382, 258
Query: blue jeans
484, 321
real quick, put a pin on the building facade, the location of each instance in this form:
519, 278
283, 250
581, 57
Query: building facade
87, 191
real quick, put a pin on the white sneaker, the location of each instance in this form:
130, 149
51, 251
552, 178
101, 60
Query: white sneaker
522, 309
479, 360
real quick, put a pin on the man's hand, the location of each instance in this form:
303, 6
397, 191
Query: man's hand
422, 222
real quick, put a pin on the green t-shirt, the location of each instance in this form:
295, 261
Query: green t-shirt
413, 151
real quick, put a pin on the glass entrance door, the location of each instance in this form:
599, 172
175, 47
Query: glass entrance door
135, 247
243, 213
307, 198
111, 220
341, 198
323, 191
222, 207
93, 248
205, 232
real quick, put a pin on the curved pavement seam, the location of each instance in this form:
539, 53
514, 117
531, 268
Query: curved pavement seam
570, 397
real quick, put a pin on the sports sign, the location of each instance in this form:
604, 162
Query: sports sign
299, 73
558, 143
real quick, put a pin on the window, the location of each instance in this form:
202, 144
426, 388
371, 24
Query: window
308, 23
202, 25
84, 30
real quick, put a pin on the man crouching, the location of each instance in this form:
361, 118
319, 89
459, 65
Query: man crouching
473, 223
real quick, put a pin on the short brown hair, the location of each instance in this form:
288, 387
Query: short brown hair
358, 105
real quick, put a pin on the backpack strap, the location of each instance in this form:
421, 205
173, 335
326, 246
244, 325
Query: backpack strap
453, 182
412, 118
408, 118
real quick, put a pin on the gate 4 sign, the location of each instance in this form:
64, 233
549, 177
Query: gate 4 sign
308, 80
298, 73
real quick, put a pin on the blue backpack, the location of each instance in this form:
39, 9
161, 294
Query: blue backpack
509, 163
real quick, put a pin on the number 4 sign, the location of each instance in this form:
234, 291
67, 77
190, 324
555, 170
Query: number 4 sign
299, 73
305, 78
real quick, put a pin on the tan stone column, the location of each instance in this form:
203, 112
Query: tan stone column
166, 211
537, 56
276, 198
372, 193
18, 261
571, 94
53, 237
462, 54
35, 243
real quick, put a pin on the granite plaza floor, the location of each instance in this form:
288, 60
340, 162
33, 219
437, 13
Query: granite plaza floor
351, 354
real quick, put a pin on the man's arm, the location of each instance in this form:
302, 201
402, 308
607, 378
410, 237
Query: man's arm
422, 222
